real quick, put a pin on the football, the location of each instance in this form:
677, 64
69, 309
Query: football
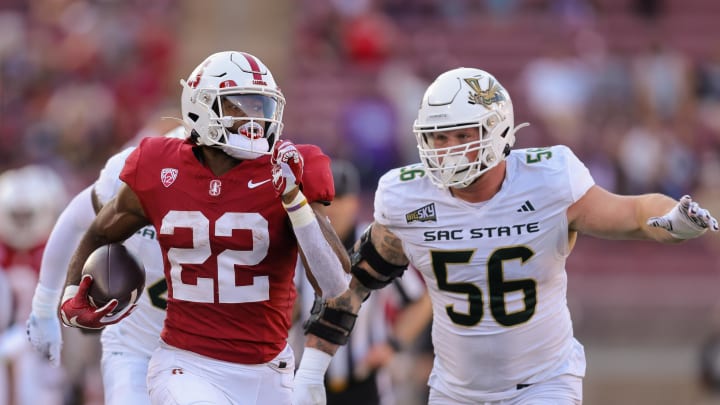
116, 274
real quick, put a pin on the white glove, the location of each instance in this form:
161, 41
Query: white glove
43, 326
686, 220
44, 335
310, 378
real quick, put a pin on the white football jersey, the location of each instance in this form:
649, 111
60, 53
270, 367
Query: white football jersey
139, 332
495, 272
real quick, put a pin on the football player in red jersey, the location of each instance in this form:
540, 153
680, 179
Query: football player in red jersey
234, 207
31, 198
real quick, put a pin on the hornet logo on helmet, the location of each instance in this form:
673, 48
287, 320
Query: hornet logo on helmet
196, 80
484, 97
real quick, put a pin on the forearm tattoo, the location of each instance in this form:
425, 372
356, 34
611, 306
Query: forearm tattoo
389, 246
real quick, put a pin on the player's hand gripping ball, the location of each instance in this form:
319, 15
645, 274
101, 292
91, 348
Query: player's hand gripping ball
111, 284
116, 275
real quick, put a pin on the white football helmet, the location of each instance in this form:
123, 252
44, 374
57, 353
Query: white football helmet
31, 199
464, 98
244, 82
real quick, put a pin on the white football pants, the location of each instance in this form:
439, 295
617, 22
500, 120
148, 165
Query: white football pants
562, 390
179, 377
124, 377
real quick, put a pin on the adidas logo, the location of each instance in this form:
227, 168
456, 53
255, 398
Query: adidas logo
526, 207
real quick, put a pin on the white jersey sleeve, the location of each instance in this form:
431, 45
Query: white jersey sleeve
63, 239
580, 179
128, 345
140, 332
495, 272
108, 184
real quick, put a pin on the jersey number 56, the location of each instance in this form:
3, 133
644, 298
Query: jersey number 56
497, 286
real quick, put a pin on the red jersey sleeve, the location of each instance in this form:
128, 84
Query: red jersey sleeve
317, 179
129, 173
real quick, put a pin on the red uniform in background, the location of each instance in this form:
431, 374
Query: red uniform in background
31, 198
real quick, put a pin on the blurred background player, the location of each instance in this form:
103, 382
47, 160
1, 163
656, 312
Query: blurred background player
388, 321
127, 346
31, 198
7, 309
7, 304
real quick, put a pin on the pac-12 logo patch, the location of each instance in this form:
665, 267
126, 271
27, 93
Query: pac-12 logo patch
168, 176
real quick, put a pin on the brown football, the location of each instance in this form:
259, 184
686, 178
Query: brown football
116, 274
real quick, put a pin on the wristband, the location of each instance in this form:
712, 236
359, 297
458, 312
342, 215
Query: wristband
312, 366
299, 211
70, 291
45, 301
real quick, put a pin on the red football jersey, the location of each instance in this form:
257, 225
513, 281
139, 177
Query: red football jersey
228, 247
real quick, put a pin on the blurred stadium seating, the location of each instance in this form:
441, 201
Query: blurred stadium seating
640, 309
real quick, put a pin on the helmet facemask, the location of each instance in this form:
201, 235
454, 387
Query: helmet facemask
246, 130
231, 102
466, 99
459, 165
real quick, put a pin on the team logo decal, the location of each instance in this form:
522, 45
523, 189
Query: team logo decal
196, 80
215, 186
168, 176
423, 214
484, 97
227, 83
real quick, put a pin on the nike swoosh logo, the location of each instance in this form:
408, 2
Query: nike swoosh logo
253, 185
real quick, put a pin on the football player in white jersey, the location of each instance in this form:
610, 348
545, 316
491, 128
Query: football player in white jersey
126, 346
490, 229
